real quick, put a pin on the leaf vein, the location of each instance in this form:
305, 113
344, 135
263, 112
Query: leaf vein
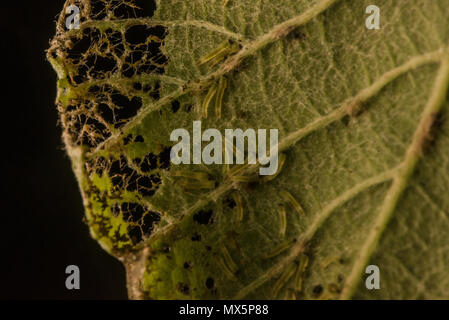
400, 181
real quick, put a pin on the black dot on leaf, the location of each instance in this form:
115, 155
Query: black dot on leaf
137, 86
139, 138
187, 266
155, 93
317, 290
175, 106
203, 217
183, 288
196, 237
209, 283
230, 203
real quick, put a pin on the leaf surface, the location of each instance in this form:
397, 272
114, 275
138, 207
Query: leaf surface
363, 124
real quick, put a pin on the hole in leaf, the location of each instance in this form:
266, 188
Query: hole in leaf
203, 217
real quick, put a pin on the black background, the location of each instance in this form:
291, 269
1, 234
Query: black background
41, 224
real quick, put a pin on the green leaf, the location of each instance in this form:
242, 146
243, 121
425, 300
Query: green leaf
363, 125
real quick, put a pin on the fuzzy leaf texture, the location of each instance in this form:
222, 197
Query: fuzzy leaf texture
363, 126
